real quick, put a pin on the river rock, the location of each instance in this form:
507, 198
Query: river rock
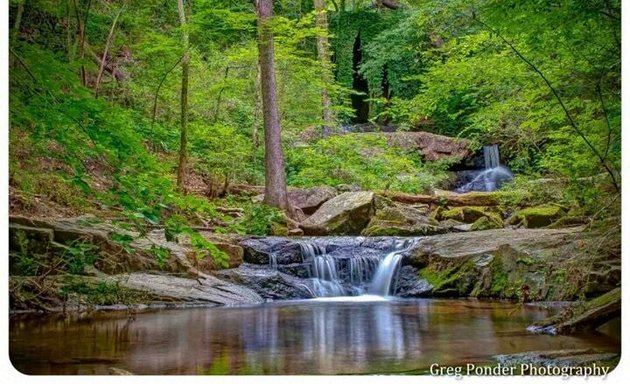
397, 220
346, 214
260, 250
470, 215
268, 283
483, 223
410, 284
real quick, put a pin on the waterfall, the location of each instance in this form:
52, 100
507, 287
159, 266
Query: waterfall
352, 273
491, 156
492, 176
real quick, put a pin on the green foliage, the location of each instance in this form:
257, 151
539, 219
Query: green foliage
99, 293
26, 264
178, 225
123, 240
365, 160
259, 219
78, 255
161, 254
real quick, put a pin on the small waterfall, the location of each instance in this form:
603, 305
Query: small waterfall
494, 174
273, 261
351, 274
491, 156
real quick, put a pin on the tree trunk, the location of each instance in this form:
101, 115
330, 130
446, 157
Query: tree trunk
183, 141
275, 179
321, 21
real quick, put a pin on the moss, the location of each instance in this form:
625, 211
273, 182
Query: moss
454, 278
484, 223
536, 217
279, 229
526, 260
436, 213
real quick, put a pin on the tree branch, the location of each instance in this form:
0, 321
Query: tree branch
572, 123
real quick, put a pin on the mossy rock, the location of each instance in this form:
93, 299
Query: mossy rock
536, 217
470, 215
569, 221
485, 222
279, 230
395, 220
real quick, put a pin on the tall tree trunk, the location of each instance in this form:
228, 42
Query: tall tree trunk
275, 178
183, 140
321, 21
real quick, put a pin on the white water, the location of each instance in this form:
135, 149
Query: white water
493, 174
382, 282
352, 275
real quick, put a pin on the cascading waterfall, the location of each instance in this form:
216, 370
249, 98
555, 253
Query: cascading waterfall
354, 274
492, 176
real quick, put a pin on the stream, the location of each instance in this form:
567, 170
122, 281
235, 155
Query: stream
340, 335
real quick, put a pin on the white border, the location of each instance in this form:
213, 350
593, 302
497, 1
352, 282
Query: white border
11, 375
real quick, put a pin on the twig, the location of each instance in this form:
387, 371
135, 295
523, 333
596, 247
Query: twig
107, 45
157, 91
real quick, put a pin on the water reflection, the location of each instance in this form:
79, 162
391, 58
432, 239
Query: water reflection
315, 337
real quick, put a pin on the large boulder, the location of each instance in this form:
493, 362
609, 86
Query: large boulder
398, 220
346, 214
307, 200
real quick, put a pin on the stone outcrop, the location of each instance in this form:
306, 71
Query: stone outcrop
346, 214
526, 264
121, 258
432, 147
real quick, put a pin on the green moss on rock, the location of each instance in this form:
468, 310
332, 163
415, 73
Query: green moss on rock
485, 222
536, 217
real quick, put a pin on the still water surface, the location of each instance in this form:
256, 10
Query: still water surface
299, 337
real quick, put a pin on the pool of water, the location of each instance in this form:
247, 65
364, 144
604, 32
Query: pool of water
340, 336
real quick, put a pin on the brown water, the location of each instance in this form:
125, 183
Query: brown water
300, 337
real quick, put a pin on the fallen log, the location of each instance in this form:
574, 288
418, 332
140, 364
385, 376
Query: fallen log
583, 318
